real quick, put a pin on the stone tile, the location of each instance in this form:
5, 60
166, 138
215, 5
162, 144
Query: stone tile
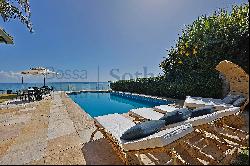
62, 143
72, 156
5, 145
5, 117
10, 133
10, 110
40, 133
17, 119
37, 162
25, 110
85, 135
60, 128
58, 116
24, 153
81, 126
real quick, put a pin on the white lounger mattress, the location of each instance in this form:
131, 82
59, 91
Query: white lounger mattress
116, 125
166, 108
147, 113
200, 102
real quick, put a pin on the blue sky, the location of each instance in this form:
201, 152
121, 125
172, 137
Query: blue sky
74, 37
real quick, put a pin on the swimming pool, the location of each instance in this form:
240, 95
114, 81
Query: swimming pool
98, 104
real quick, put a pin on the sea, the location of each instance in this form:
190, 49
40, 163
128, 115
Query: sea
58, 86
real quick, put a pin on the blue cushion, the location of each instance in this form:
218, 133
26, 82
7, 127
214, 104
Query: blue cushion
229, 99
143, 129
176, 116
202, 111
239, 102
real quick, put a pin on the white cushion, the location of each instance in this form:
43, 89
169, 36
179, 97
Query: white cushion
147, 113
115, 124
166, 108
200, 102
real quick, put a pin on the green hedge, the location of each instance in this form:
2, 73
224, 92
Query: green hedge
189, 68
161, 86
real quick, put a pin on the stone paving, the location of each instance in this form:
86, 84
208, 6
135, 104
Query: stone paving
53, 131
58, 131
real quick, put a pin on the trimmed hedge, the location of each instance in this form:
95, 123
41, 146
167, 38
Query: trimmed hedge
189, 69
161, 86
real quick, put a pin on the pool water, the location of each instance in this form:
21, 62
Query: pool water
98, 104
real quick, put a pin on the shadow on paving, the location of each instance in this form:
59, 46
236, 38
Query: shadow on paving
100, 152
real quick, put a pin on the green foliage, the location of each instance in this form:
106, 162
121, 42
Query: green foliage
5, 97
209, 40
12, 9
242, 158
161, 86
189, 68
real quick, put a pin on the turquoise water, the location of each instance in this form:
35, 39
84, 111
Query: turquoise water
98, 104
62, 86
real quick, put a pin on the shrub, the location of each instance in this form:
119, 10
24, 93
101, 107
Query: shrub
210, 40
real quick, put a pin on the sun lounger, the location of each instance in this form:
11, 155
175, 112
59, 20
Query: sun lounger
114, 125
145, 113
205, 119
239, 85
207, 122
219, 118
151, 114
196, 102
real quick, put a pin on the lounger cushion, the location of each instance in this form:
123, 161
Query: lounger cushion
239, 102
176, 116
143, 129
229, 99
202, 111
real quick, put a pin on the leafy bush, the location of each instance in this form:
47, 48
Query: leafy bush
189, 68
210, 40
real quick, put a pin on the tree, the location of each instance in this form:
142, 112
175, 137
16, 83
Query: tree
12, 9
209, 40
16, 9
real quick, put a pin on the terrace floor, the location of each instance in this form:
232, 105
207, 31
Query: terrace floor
57, 131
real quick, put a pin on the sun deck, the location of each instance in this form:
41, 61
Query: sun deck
58, 131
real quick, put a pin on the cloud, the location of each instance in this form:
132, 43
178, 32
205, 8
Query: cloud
16, 77
10, 76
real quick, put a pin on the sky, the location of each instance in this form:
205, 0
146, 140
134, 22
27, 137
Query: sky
122, 39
